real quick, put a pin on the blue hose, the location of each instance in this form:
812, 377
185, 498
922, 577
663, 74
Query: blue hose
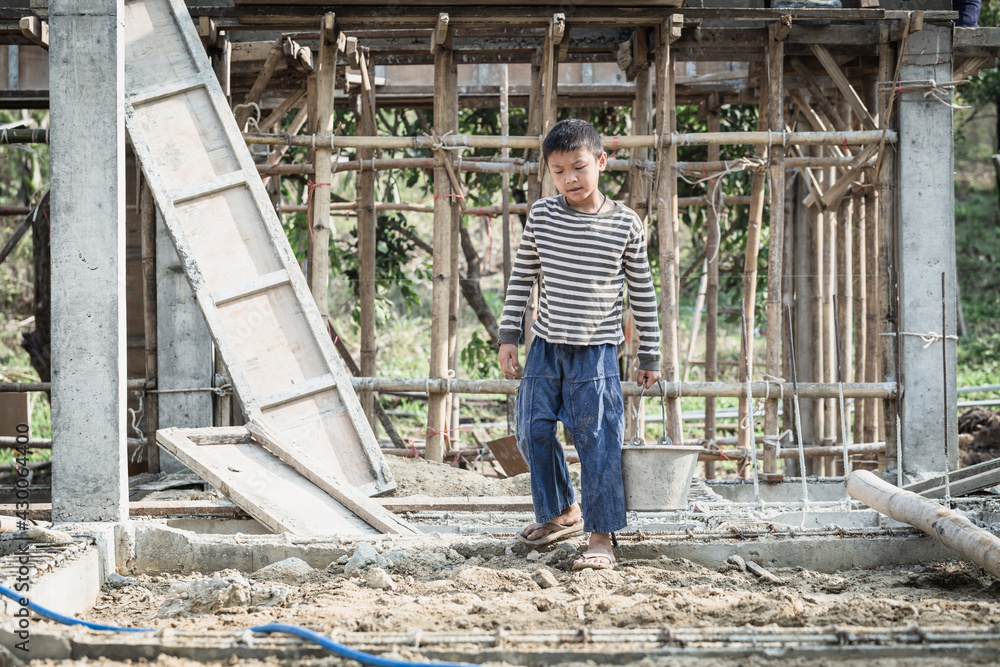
314, 637
66, 620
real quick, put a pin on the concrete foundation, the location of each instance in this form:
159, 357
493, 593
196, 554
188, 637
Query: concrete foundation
89, 473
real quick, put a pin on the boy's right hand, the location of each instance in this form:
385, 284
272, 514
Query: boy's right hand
508, 360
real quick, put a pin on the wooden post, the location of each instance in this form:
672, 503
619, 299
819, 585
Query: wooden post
322, 121
712, 289
872, 279
829, 356
550, 69
445, 81
455, 288
533, 188
887, 289
666, 214
147, 240
750, 259
367, 225
505, 205
816, 311
776, 243
639, 190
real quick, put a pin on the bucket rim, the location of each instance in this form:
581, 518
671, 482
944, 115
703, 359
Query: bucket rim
663, 448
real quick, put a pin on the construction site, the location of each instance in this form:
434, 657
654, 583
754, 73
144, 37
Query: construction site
243, 197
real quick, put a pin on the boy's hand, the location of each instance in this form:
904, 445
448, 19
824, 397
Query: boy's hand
508, 360
647, 378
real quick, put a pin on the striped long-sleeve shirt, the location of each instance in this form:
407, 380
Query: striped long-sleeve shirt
584, 260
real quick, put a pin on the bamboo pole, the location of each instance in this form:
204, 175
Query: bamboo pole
322, 122
776, 229
437, 416
505, 207
147, 240
367, 239
816, 310
520, 166
859, 234
666, 215
872, 290
639, 191
750, 260
712, 242
533, 187
672, 138
829, 288
438, 385
944, 525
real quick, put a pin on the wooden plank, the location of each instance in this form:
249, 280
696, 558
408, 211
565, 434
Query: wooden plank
845, 87
217, 435
457, 504
165, 89
287, 105
296, 391
208, 187
269, 340
266, 488
508, 455
818, 96
320, 475
250, 287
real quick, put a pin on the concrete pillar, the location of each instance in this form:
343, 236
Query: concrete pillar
184, 347
86, 79
925, 242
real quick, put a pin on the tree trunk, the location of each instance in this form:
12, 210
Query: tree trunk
471, 290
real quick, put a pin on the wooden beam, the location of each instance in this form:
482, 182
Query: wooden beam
319, 240
818, 96
442, 36
35, 30
208, 32
845, 87
273, 57
287, 105
323, 477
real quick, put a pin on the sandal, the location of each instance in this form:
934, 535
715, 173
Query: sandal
557, 531
595, 560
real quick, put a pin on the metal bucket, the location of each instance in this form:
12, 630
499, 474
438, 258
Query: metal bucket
658, 477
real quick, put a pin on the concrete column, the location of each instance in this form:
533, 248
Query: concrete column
925, 242
86, 79
184, 347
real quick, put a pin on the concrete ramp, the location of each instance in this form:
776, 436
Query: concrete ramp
259, 310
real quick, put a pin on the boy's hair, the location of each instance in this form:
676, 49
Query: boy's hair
570, 135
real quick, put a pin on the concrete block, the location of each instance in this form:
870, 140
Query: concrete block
41, 645
58, 8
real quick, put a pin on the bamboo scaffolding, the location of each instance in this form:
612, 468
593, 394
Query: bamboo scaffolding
659, 140
776, 245
666, 198
444, 200
750, 258
712, 242
860, 305
439, 385
498, 166
367, 239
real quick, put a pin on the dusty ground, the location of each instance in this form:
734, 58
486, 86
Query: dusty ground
486, 584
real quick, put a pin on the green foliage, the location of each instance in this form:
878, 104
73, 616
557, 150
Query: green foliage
394, 274
479, 358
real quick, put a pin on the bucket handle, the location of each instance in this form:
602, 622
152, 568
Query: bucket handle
637, 440
664, 439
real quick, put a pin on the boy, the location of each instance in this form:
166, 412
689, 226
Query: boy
585, 247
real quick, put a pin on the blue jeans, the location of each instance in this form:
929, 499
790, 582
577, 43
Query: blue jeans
579, 386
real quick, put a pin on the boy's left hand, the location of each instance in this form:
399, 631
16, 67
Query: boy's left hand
648, 378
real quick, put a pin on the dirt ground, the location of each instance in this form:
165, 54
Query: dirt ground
484, 584
979, 436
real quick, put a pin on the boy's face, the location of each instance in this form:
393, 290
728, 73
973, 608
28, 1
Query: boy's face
576, 175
